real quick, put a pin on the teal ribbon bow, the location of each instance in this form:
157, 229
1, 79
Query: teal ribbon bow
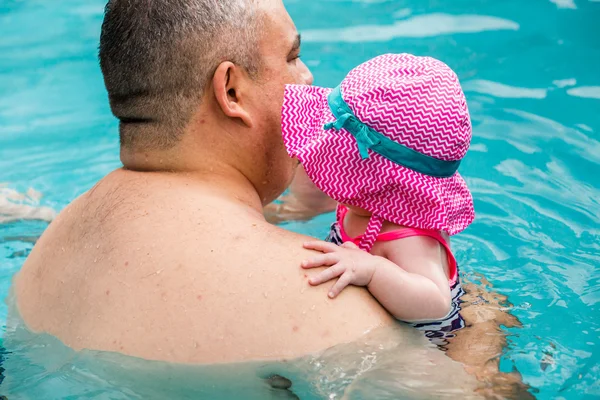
364, 136
369, 139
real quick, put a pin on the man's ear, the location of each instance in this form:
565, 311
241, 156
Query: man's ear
228, 81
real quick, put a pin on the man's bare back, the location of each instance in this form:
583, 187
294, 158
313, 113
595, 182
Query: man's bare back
165, 267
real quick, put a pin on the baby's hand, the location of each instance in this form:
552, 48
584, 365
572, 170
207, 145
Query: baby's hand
348, 262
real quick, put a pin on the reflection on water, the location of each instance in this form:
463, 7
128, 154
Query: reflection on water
415, 27
389, 363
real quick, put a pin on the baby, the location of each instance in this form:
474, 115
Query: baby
386, 145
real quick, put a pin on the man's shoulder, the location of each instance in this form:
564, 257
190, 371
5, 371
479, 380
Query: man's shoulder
181, 255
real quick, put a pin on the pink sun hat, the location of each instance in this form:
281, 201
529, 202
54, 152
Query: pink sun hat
389, 140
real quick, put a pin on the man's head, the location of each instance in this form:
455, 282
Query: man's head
158, 56
210, 73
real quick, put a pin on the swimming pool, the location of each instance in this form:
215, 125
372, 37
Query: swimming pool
530, 73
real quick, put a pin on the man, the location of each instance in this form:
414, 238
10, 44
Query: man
170, 258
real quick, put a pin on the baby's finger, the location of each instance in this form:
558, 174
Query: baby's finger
340, 285
350, 245
321, 260
319, 245
327, 275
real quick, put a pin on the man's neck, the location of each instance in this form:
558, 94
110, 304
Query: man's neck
215, 176
206, 163
229, 183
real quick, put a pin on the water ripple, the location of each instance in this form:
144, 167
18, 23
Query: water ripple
503, 91
528, 132
416, 27
587, 92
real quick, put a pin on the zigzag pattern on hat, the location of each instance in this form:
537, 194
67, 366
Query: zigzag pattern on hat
416, 101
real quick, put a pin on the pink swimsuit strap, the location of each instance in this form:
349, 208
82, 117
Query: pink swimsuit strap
403, 233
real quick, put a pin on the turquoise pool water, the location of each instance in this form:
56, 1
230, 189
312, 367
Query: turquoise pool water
531, 72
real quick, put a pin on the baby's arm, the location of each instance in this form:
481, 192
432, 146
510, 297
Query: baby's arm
410, 281
414, 285
303, 202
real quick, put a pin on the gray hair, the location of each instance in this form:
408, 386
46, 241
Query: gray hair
158, 56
